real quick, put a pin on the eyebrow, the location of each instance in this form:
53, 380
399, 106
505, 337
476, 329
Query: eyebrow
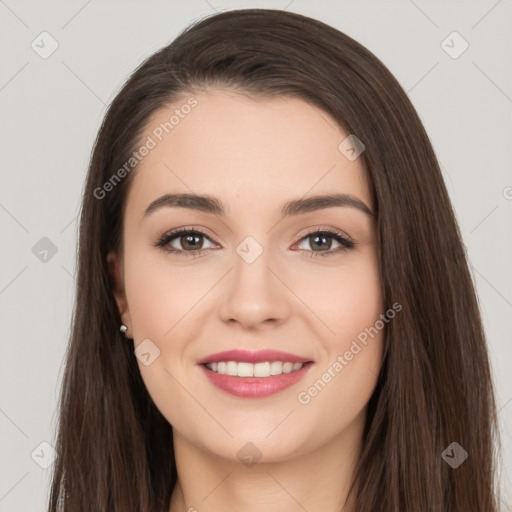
210, 204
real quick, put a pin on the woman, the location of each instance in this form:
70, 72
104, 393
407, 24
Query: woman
274, 308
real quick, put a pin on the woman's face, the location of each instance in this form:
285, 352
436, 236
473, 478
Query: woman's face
258, 276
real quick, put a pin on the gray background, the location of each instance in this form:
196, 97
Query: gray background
51, 110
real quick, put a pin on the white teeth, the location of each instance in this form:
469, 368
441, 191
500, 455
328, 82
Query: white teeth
276, 368
262, 369
265, 369
231, 368
245, 369
287, 367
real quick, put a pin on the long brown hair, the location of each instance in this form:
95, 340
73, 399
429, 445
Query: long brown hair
115, 449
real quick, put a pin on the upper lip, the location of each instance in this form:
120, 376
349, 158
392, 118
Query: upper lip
260, 356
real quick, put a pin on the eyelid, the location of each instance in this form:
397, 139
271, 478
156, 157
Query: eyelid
310, 230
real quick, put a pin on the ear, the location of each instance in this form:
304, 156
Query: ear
115, 267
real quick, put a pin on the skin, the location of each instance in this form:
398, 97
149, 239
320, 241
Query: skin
254, 155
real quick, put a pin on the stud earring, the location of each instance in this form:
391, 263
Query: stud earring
123, 329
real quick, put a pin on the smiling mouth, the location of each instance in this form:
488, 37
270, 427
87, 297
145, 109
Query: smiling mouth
263, 369
255, 380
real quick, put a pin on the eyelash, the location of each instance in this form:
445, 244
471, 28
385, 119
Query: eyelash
346, 243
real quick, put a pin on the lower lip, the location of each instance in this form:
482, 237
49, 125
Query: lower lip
255, 387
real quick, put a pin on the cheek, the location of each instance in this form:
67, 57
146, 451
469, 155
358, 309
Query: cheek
161, 302
158, 294
346, 299
358, 303
164, 300
350, 306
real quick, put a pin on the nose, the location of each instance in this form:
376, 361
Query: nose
255, 294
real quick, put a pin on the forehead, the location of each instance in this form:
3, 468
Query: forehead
240, 148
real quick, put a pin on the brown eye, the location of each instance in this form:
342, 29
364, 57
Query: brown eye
191, 242
320, 243
184, 242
